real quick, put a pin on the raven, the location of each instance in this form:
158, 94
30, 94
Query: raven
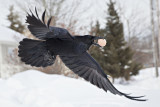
72, 50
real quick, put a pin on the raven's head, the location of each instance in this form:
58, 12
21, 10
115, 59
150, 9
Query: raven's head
91, 40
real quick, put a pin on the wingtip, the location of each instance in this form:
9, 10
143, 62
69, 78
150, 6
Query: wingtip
49, 21
36, 12
137, 98
43, 16
30, 11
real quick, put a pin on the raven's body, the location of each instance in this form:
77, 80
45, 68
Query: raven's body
65, 47
71, 49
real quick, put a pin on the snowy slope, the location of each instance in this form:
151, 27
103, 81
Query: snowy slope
35, 89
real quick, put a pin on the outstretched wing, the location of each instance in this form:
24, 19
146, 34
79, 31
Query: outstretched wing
86, 67
44, 31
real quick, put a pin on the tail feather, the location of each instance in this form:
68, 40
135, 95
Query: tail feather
34, 53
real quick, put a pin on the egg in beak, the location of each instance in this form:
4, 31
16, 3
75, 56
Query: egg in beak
99, 41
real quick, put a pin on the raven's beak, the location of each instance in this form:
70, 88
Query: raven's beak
96, 39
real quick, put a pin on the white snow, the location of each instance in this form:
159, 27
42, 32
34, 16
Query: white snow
35, 89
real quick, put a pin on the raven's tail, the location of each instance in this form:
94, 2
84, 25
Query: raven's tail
35, 53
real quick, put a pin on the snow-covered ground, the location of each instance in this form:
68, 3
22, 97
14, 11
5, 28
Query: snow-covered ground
35, 89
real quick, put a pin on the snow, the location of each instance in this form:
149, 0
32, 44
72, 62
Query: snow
35, 89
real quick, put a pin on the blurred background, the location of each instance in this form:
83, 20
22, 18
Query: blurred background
131, 56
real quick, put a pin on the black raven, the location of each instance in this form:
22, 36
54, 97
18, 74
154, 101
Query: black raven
72, 50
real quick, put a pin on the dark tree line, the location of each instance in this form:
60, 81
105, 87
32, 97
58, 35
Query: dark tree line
116, 57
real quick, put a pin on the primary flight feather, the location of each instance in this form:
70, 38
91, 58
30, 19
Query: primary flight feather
71, 49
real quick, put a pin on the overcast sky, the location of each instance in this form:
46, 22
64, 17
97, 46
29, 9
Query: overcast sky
92, 10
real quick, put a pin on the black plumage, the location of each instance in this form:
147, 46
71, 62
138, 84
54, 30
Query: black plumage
71, 49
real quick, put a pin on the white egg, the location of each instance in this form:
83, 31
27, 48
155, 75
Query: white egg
102, 42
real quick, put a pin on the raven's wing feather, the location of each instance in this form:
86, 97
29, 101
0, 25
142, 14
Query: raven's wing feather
43, 31
86, 67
